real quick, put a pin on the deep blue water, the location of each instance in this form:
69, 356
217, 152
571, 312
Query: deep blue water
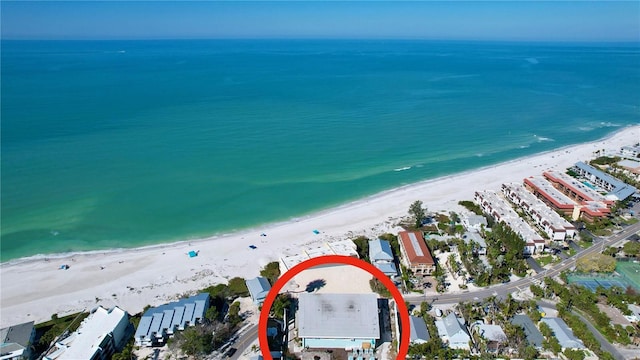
110, 144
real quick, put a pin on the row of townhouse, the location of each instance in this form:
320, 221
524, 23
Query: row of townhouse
498, 207
556, 227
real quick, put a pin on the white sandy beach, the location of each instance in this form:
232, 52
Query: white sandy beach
34, 289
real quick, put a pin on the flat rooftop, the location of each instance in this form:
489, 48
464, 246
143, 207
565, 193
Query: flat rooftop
538, 207
345, 316
501, 207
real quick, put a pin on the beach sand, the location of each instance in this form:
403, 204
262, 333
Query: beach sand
34, 289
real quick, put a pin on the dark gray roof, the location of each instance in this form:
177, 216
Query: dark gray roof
418, 329
15, 337
19, 334
534, 337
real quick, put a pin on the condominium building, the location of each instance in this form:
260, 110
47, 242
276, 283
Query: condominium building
553, 225
496, 206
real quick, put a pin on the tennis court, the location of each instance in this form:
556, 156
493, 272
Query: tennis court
627, 274
630, 272
592, 282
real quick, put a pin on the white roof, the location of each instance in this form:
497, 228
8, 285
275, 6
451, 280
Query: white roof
492, 332
341, 247
351, 316
85, 341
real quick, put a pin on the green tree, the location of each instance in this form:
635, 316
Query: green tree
212, 314
362, 247
572, 354
529, 353
596, 263
234, 313
471, 206
631, 248
271, 271
195, 341
536, 290
417, 212
238, 287
282, 301
545, 330
379, 288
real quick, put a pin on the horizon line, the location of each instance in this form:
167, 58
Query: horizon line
313, 38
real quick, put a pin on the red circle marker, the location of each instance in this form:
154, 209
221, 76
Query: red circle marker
332, 259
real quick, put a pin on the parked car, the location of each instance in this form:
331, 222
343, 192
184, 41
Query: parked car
230, 352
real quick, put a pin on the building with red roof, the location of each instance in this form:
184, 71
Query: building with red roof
415, 253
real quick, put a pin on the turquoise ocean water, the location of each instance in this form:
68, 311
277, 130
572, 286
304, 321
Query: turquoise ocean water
109, 144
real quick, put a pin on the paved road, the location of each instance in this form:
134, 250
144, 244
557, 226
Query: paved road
604, 344
248, 336
501, 290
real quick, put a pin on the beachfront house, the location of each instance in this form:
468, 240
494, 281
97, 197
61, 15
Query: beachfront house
630, 151
453, 332
415, 254
258, 289
17, 341
381, 256
419, 333
348, 321
101, 334
473, 222
159, 323
563, 333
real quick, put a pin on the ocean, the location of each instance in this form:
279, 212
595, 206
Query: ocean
119, 144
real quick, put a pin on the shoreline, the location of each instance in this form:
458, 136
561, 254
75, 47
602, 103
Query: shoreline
317, 213
150, 275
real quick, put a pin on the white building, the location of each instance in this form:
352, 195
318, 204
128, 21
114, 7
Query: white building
381, 256
496, 206
342, 247
16, 341
630, 151
474, 222
348, 321
556, 227
453, 332
158, 323
103, 333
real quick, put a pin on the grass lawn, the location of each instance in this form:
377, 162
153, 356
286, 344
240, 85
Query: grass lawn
584, 244
545, 260
571, 252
